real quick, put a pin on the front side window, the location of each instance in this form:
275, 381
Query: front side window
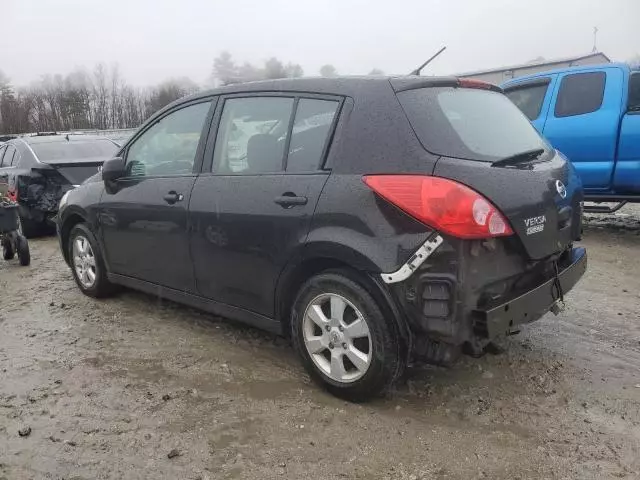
252, 135
580, 93
529, 98
311, 129
169, 146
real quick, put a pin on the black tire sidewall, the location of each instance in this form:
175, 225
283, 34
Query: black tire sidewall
386, 358
22, 249
101, 287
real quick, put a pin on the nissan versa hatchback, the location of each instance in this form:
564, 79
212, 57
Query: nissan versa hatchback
376, 221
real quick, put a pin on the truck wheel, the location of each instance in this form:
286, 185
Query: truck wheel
87, 263
22, 247
343, 338
7, 250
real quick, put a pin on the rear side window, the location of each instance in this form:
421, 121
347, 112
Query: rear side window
580, 93
469, 123
252, 135
2, 150
529, 98
311, 129
634, 93
8, 156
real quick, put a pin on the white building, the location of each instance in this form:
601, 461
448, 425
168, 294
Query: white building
499, 75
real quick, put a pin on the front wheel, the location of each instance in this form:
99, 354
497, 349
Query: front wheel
22, 247
87, 263
344, 340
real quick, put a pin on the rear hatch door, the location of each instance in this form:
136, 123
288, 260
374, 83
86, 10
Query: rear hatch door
486, 143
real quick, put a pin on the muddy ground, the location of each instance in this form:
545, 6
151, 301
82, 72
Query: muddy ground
110, 388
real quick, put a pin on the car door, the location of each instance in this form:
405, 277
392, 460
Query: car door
583, 122
252, 213
143, 216
533, 97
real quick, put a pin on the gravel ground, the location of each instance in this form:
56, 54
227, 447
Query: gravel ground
132, 387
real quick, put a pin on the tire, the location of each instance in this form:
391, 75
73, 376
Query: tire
31, 228
7, 250
99, 286
22, 247
361, 380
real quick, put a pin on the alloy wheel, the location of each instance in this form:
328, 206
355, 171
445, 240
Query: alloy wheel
84, 261
337, 337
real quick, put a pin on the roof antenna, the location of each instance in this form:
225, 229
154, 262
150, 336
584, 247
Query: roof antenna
417, 70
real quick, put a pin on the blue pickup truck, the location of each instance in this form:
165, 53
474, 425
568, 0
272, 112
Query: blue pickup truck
592, 115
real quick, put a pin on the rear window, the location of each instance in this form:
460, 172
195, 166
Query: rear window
469, 123
529, 98
74, 150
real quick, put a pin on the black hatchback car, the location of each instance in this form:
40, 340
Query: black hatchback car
39, 169
375, 221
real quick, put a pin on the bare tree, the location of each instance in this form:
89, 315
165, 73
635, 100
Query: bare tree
376, 71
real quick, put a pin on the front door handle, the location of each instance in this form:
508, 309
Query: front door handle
290, 199
173, 197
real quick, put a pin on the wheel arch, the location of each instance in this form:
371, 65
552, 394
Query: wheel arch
71, 219
296, 273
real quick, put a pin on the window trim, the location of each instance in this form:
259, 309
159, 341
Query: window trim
600, 73
156, 118
207, 165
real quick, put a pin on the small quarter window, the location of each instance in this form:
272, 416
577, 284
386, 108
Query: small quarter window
311, 130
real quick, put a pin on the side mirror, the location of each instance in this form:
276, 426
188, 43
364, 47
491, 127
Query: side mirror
113, 169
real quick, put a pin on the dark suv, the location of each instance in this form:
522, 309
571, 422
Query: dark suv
374, 220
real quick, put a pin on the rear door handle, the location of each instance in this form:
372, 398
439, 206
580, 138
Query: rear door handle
173, 197
289, 199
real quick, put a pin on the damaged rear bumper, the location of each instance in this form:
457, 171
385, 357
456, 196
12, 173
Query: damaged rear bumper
531, 305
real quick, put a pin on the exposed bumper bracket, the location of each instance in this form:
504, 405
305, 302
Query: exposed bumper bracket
414, 262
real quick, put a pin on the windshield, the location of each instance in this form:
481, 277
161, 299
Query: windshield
74, 150
469, 123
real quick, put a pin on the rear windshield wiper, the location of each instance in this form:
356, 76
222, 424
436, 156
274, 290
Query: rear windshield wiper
519, 158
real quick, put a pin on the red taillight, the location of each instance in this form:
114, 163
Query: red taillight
471, 83
443, 204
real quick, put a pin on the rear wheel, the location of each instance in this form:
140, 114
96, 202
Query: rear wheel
87, 263
22, 247
343, 338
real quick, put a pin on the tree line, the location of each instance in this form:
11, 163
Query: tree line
102, 99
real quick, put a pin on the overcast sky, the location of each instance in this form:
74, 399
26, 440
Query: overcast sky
153, 40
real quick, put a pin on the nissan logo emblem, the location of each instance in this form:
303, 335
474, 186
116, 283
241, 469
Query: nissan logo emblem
562, 190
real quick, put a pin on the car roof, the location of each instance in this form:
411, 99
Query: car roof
57, 138
578, 68
350, 86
